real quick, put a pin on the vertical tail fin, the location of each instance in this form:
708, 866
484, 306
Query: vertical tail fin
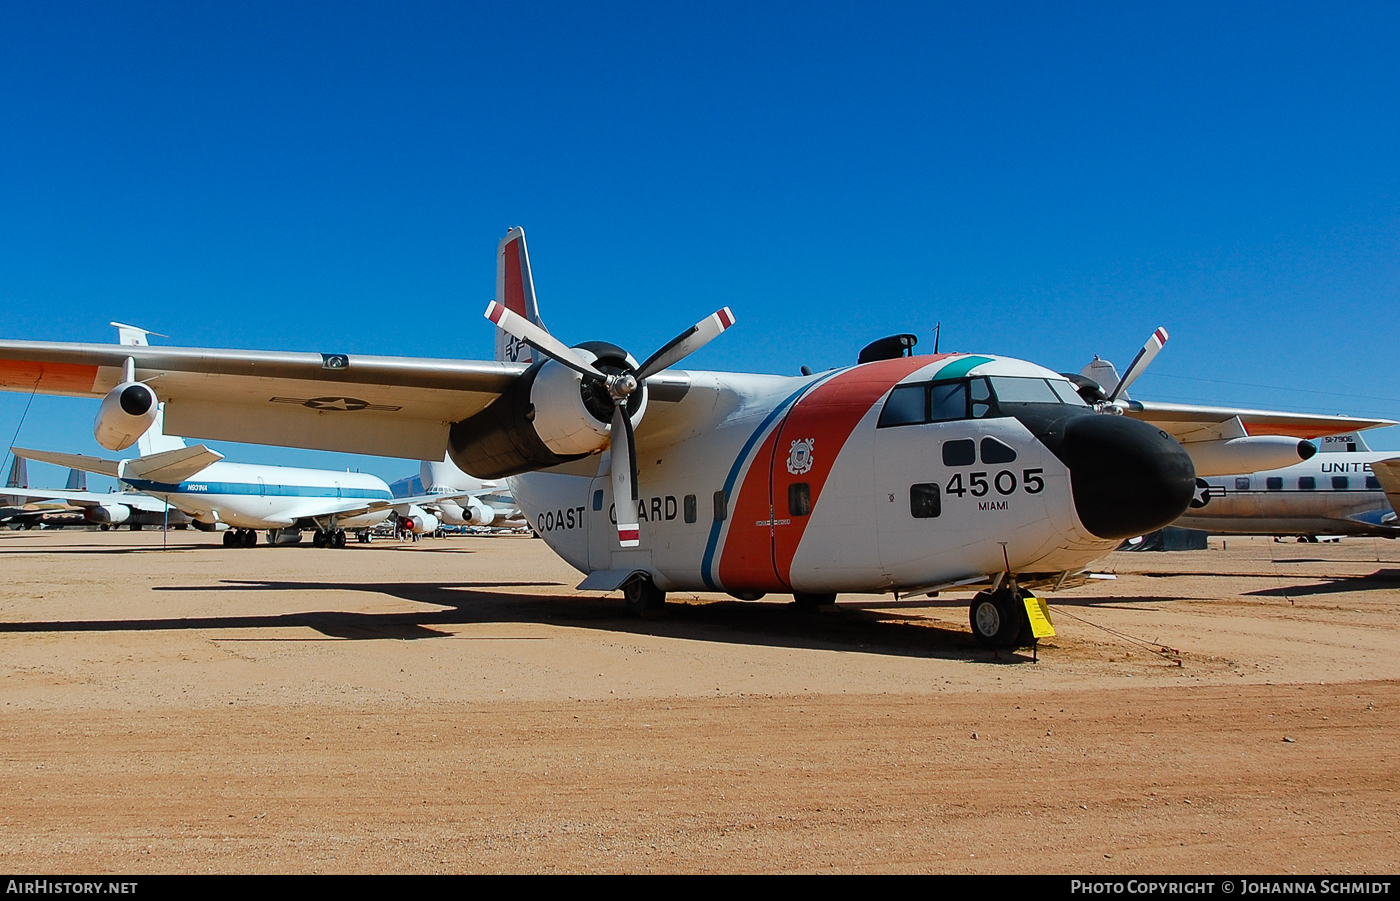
77, 480
19, 474
1105, 373
515, 290
155, 440
1351, 442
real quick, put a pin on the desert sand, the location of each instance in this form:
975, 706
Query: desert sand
454, 705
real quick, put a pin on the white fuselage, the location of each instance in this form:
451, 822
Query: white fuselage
1333, 494
253, 496
754, 484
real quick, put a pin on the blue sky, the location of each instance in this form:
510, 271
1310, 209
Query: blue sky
1049, 182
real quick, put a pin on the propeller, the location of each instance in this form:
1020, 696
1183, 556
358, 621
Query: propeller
1140, 363
620, 387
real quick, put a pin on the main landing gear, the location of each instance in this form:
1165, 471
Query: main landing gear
240, 538
328, 538
999, 618
641, 595
811, 603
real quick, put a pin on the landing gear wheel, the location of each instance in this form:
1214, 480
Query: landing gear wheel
319, 539
228, 538
998, 618
641, 595
338, 538
810, 603
250, 538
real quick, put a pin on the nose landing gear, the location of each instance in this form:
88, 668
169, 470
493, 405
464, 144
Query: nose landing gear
999, 618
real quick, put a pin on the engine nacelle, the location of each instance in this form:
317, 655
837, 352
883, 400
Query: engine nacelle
1244, 455
108, 514
477, 513
126, 413
550, 415
419, 521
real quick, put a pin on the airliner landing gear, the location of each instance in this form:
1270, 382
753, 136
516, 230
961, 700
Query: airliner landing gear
240, 538
328, 538
999, 618
641, 595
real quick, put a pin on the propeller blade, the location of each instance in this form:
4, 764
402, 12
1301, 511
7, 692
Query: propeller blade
623, 468
1140, 362
686, 343
540, 339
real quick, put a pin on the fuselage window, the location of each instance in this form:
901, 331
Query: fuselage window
1274, 483
799, 499
993, 451
690, 508
1373, 483
1242, 483
1067, 393
925, 501
598, 499
1307, 483
721, 506
959, 453
1340, 483
908, 405
947, 401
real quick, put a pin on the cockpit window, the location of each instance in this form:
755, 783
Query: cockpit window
1067, 392
908, 405
1023, 391
947, 400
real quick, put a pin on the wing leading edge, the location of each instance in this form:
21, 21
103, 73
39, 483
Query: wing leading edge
384, 406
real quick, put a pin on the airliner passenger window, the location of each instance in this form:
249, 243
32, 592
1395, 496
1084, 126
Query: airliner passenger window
1307, 483
1274, 483
948, 401
1373, 483
1340, 483
908, 405
1242, 483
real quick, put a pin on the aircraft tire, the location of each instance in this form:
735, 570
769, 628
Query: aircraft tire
338, 538
641, 595
228, 539
997, 618
810, 603
318, 539
250, 538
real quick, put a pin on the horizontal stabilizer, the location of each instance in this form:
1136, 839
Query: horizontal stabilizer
72, 461
173, 466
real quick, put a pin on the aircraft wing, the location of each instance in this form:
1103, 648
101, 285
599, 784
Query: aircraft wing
1387, 472
319, 509
92, 498
384, 406
1185, 421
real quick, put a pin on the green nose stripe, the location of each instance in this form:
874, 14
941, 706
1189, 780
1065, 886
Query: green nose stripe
960, 367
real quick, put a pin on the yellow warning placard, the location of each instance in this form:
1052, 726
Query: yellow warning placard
1038, 612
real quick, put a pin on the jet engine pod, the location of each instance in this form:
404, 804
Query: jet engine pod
573, 415
108, 514
477, 513
1253, 454
126, 413
419, 521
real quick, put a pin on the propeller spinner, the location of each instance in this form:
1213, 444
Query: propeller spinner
620, 386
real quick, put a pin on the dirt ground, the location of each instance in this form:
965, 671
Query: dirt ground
455, 706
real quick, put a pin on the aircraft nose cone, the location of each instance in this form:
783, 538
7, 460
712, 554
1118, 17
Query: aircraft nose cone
1128, 477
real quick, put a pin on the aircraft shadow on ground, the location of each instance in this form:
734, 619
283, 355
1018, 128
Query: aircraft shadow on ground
763, 623
1380, 579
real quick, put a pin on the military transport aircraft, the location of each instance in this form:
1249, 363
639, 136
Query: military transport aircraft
905, 473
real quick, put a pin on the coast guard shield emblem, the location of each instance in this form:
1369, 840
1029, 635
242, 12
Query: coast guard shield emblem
800, 457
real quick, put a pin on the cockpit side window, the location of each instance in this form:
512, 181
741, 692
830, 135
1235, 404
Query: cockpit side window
907, 405
1023, 391
981, 398
947, 401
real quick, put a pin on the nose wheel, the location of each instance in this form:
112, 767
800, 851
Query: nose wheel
999, 619
641, 595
